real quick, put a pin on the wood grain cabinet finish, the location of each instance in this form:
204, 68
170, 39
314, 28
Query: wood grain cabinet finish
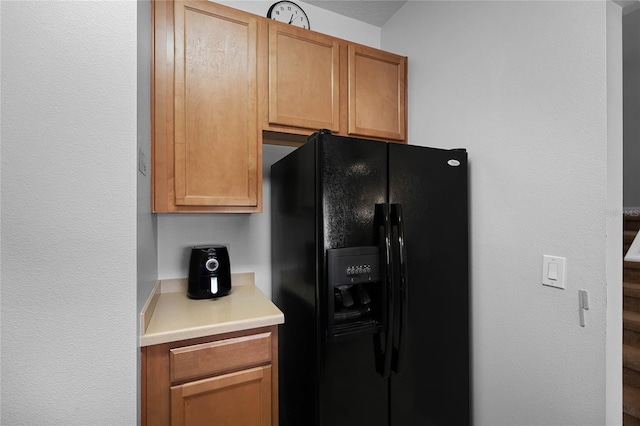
240, 398
207, 145
304, 76
226, 380
221, 76
377, 93
321, 82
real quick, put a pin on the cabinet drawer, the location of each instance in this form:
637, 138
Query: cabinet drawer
217, 357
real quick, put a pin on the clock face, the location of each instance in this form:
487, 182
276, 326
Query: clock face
288, 12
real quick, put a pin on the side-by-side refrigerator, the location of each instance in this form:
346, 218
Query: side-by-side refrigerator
370, 267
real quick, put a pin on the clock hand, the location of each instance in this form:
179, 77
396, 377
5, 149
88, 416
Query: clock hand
291, 20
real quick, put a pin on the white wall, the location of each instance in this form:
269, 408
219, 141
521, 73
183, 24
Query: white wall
523, 86
248, 235
320, 20
68, 213
631, 45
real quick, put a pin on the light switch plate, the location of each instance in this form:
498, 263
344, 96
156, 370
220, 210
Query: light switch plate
553, 271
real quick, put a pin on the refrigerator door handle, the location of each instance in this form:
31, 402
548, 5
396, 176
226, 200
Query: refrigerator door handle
399, 346
383, 341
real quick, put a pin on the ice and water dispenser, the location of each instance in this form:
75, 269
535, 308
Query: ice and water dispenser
355, 290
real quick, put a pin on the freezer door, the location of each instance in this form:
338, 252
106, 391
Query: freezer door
432, 387
352, 176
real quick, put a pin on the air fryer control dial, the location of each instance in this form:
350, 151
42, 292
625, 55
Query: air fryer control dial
212, 264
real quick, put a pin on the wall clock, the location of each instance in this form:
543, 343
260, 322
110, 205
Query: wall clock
290, 13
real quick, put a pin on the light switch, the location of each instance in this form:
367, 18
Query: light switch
553, 271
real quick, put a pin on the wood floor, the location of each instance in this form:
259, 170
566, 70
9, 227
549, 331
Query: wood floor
631, 330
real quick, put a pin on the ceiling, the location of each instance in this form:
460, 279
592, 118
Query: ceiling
374, 12
378, 12
628, 6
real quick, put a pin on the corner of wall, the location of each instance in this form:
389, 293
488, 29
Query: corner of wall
613, 346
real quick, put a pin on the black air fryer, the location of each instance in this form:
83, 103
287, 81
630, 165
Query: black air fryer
209, 272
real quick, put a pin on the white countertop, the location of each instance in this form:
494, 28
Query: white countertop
169, 315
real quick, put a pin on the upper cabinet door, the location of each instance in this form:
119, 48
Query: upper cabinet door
377, 93
304, 86
217, 148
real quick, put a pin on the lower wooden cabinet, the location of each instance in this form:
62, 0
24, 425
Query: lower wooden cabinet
240, 398
226, 380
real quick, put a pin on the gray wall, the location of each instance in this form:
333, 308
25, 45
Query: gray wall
68, 213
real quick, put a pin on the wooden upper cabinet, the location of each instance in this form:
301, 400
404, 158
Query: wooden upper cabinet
222, 76
304, 76
317, 81
377, 93
210, 156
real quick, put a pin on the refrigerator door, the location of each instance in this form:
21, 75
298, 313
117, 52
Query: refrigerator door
352, 179
432, 387
294, 275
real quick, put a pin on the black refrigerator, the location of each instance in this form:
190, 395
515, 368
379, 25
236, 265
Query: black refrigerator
370, 267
